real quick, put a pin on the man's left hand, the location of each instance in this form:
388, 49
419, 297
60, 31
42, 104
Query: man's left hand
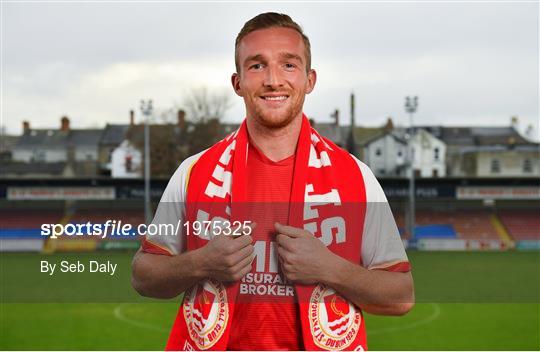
304, 259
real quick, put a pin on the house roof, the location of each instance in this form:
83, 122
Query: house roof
86, 137
58, 139
363, 135
340, 134
396, 134
461, 136
8, 142
113, 134
477, 136
332, 131
498, 136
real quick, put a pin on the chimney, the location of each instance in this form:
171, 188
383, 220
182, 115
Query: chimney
182, 119
131, 117
389, 126
514, 122
64, 124
25, 126
335, 115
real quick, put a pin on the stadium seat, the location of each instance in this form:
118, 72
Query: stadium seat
522, 224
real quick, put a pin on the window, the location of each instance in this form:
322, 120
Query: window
38, 155
129, 163
527, 166
378, 152
495, 166
382, 171
399, 153
436, 154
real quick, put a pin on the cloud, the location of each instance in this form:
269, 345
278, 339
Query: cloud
470, 63
92, 97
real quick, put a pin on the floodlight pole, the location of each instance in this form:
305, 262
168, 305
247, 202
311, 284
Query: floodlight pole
411, 104
146, 109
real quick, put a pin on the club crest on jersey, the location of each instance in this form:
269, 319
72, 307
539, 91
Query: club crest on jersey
206, 313
334, 322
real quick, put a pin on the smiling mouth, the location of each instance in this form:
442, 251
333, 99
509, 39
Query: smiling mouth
275, 98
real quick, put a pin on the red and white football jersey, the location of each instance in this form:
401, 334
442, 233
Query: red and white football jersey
266, 315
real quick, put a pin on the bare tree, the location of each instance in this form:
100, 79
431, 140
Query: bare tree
202, 104
167, 116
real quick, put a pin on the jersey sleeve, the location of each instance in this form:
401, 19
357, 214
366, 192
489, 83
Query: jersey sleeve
166, 236
382, 247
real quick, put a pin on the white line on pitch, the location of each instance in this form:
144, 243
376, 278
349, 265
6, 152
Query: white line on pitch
436, 313
120, 316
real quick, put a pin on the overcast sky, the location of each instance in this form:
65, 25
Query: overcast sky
469, 63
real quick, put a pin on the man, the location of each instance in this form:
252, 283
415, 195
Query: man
319, 243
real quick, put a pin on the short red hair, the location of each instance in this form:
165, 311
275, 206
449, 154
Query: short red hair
271, 20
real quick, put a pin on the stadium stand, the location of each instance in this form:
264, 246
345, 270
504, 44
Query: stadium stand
21, 223
20, 228
28, 218
461, 223
473, 224
434, 231
521, 224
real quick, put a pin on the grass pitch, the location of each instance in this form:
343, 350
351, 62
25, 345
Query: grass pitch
451, 288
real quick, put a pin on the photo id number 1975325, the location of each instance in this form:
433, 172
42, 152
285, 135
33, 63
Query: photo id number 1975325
218, 227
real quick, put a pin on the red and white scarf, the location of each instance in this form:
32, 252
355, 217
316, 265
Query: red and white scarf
327, 198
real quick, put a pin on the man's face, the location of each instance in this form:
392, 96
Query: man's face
273, 80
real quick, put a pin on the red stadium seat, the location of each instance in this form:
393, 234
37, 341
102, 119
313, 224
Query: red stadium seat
521, 224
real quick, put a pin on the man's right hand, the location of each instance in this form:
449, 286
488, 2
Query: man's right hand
223, 258
228, 258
